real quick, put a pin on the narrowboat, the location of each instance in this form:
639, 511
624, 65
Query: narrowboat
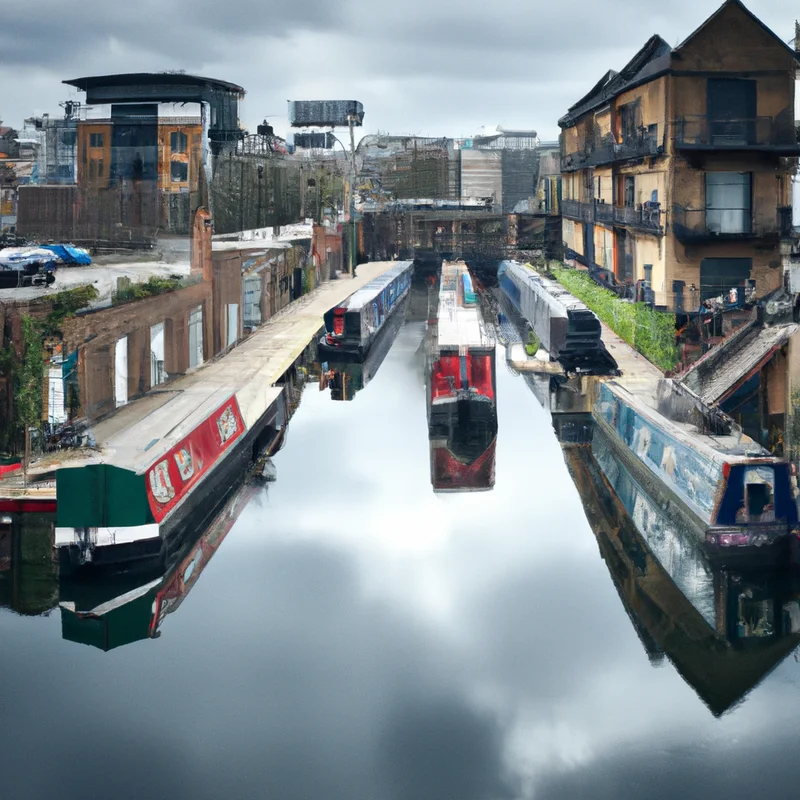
128, 510
461, 397
569, 331
345, 379
732, 494
352, 326
724, 629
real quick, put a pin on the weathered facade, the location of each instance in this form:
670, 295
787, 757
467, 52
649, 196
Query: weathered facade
678, 169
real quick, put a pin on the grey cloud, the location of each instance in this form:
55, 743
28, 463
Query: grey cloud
377, 52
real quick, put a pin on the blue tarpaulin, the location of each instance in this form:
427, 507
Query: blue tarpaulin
68, 254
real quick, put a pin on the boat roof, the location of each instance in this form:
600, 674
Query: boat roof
460, 325
734, 448
366, 294
542, 285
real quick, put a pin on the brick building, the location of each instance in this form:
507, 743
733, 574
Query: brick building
677, 170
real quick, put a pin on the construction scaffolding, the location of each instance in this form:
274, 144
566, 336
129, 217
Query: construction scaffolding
263, 189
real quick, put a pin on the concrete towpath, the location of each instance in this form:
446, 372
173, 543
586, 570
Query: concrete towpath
169, 412
639, 376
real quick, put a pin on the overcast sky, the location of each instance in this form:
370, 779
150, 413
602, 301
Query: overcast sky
428, 67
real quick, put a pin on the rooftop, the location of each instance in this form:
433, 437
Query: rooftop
153, 79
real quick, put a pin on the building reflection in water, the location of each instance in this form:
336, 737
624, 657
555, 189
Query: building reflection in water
28, 572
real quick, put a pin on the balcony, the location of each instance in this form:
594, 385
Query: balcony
642, 145
644, 218
714, 224
575, 209
701, 132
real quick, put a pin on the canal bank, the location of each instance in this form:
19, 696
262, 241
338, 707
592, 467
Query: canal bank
158, 455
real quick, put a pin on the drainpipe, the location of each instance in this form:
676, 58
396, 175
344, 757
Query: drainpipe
353, 259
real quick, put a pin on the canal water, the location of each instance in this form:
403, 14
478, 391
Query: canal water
356, 636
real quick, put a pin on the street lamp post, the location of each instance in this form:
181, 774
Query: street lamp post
350, 201
333, 113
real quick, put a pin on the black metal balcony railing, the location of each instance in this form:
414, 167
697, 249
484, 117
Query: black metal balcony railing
696, 224
701, 131
646, 217
604, 212
575, 209
608, 151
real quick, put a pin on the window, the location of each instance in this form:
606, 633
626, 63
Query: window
233, 323
157, 372
179, 170
629, 122
629, 188
178, 142
196, 337
100, 168
69, 137
728, 202
96, 140
63, 171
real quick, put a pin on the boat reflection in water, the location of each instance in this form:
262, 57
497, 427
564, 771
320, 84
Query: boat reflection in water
461, 388
113, 610
723, 629
346, 379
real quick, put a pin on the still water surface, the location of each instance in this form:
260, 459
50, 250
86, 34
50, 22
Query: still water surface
358, 637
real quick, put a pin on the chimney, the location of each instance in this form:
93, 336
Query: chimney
797, 37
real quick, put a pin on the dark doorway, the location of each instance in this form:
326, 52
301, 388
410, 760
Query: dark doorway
719, 275
624, 257
297, 283
731, 106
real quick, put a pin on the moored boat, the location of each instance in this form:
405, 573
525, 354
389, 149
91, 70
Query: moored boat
346, 379
126, 508
568, 330
734, 496
462, 400
352, 326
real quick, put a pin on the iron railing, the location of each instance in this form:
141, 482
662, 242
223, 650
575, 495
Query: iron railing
640, 145
645, 217
575, 209
695, 224
709, 132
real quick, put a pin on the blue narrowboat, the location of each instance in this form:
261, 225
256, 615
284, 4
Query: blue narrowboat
569, 331
732, 494
352, 326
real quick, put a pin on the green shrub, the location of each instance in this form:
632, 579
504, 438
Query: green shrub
65, 304
129, 292
651, 332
